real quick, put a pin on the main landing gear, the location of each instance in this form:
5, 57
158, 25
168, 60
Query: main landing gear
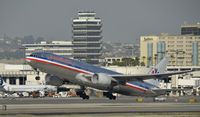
38, 75
82, 93
109, 95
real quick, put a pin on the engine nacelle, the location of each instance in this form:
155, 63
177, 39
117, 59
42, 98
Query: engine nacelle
101, 79
53, 80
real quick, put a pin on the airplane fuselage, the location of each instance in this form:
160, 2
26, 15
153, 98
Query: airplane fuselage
70, 70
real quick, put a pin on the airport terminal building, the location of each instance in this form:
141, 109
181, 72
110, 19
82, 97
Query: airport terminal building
20, 74
63, 48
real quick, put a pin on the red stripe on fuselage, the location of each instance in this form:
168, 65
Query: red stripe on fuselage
65, 67
134, 87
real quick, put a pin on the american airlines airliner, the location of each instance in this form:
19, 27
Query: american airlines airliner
60, 69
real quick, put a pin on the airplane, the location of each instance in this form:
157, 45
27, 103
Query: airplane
24, 88
61, 69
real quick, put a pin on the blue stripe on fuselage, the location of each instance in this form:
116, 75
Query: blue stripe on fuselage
142, 84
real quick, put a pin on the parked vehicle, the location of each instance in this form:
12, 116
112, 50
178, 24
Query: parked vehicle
160, 99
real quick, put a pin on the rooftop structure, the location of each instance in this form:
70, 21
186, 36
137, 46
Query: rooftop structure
192, 29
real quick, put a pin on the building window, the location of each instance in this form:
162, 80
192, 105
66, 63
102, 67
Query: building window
170, 41
188, 49
188, 41
179, 45
188, 45
12, 81
170, 45
22, 80
179, 41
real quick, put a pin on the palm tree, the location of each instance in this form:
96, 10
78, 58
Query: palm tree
149, 61
155, 58
143, 58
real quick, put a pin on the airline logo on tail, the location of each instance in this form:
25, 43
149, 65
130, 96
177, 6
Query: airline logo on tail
160, 67
154, 71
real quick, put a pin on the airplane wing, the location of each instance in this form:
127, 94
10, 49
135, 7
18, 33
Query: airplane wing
146, 76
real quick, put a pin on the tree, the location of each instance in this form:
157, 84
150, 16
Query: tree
137, 61
149, 61
155, 58
127, 61
142, 64
143, 58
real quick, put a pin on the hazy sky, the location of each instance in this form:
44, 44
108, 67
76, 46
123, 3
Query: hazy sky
123, 20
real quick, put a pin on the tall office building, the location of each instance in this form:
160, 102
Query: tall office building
192, 29
184, 50
87, 29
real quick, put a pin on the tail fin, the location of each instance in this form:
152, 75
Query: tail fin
160, 67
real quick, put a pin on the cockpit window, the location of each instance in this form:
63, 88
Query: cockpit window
42, 55
33, 55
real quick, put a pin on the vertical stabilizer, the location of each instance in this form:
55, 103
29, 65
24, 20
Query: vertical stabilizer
160, 67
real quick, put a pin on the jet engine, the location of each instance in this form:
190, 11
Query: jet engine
101, 79
53, 80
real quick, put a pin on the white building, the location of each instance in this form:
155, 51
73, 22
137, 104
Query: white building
20, 74
186, 83
111, 60
64, 48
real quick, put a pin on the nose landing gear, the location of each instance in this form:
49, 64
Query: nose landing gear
38, 75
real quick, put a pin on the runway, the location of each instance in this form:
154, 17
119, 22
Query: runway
75, 100
95, 106
99, 108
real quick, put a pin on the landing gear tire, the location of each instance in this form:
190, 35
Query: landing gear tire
83, 95
109, 95
37, 78
38, 75
112, 97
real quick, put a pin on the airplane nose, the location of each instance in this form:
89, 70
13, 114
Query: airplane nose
27, 59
